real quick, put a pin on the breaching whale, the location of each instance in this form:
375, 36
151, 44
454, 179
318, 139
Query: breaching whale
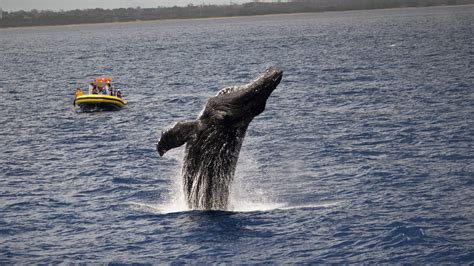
214, 139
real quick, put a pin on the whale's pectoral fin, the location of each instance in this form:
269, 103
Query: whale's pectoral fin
176, 136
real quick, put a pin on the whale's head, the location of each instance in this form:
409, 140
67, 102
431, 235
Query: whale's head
240, 104
232, 108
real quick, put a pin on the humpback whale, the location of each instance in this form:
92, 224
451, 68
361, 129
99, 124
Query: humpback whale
214, 139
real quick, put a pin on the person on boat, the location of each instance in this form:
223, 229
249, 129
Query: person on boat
79, 92
112, 91
95, 90
104, 91
119, 93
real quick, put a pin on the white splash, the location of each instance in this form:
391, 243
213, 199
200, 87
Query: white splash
174, 200
248, 192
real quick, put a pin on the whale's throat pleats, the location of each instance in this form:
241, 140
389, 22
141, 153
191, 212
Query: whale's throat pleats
209, 166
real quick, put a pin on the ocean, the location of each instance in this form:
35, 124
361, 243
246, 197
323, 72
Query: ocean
364, 153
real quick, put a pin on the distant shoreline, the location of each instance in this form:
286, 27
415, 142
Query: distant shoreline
219, 17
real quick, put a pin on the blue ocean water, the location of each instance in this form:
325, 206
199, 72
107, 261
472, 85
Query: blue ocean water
363, 155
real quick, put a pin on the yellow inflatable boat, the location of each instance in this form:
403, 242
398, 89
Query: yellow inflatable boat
102, 96
99, 102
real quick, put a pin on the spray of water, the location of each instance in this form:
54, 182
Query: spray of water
247, 192
174, 200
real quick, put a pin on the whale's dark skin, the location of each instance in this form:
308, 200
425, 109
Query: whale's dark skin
214, 139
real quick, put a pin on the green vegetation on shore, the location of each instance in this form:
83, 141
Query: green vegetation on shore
98, 15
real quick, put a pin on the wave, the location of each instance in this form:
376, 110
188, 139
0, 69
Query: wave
242, 207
